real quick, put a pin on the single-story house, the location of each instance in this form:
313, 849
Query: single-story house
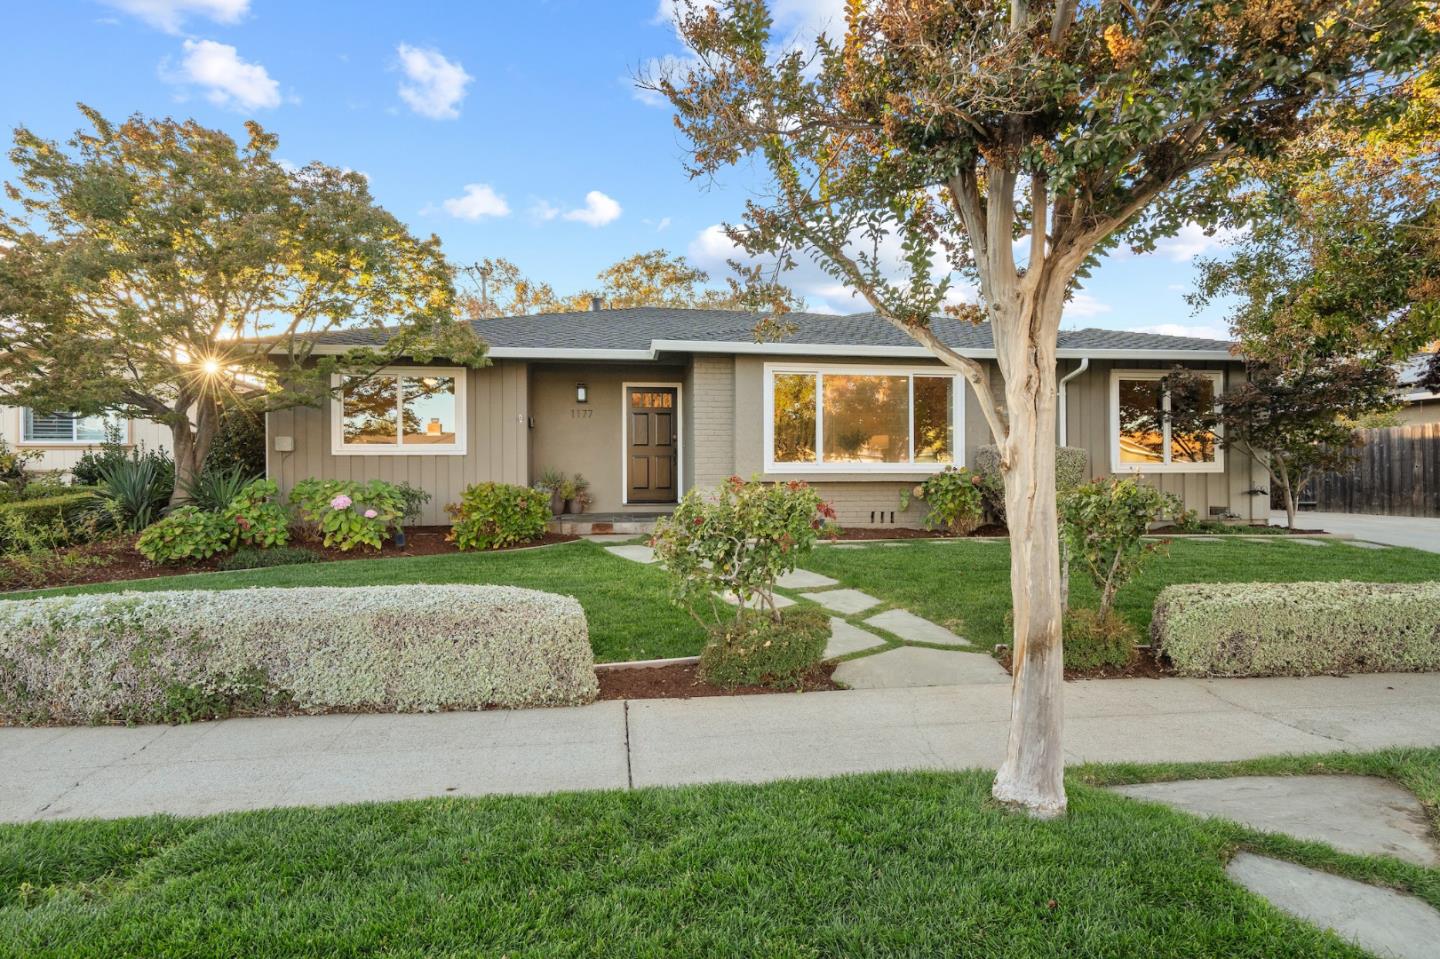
1419, 404
62, 438
649, 403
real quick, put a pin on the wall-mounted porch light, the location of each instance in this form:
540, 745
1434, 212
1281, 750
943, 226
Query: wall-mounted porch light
582, 393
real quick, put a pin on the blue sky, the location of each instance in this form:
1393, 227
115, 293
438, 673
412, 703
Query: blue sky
507, 128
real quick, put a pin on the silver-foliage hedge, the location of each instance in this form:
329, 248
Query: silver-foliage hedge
1298, 629
172, 656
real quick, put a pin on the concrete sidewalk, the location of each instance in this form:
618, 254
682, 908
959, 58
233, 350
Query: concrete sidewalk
1417, 532
204, 768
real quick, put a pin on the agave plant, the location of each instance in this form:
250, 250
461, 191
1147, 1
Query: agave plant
140, 486
214, 489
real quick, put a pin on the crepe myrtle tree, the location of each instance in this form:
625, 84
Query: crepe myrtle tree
1008, 143
158, 269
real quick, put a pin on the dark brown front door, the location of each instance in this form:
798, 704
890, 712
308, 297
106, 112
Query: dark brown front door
651, 454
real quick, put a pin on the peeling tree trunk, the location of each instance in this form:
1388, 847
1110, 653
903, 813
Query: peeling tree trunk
1033, 774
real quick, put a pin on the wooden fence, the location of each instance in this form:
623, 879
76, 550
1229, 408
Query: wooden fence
1397, 473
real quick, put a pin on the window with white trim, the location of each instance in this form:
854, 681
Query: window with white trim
1142, 439
861, 419
67, 427
401, 410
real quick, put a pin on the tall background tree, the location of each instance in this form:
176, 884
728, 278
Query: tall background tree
158, 269
1010, 143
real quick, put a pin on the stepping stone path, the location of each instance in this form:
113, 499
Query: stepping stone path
639, 554
914, 666
1364, 545
1364, 815
846, 639
804, 579
1381, 920
843, 600
915, 629
780, 601
1311, 542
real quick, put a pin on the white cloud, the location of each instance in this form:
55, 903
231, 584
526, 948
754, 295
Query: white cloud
1205, 331
170, 15
663, 225
228, 81
434, 85
1084, 306
1191, 242
478, 201
544, 210
598, 210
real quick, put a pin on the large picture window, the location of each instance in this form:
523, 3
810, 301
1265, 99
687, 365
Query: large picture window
1141, 437
854, 419
415, 411
67, 427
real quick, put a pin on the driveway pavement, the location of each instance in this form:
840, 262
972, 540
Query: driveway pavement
1417, 532
237, 764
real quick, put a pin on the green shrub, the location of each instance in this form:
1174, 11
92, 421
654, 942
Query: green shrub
48, 522
239, 445
1095, 639
954, 498
214, 489
739, 540
255, 519
1298, 629
248, 557
349, 513
1104, 524
757, 650
13, 476
187, 533
1072, 468
496, 515
140, 484
156, 656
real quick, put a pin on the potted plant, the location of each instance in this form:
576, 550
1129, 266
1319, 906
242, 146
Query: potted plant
550, 481
414, 501
581, 499
567, 493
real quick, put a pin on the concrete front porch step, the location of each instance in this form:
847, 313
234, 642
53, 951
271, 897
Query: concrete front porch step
588, 524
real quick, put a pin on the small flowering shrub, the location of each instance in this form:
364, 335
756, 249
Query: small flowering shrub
1095, 640
257, 521
187, 533
1298, 629
738, 540
349, 513
757, 650
954, 497
1103, 524
143, 657
496, 515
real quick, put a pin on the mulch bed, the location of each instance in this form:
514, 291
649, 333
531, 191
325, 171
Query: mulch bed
896, 532
118, 560
1147, 664
681, 681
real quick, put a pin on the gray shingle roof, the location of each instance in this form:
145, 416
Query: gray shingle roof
640, 329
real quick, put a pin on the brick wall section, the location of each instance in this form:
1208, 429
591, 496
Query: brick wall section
712, 415
854, 503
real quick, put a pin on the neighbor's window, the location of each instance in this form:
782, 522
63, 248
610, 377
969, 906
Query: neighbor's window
67, 428
846, 419
1142, 439
417, 411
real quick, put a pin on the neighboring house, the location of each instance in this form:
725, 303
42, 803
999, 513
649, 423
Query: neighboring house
63, 438
1418, 404
648, 403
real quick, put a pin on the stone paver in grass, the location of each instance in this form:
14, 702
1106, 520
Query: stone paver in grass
1310, 542
914, 666
1383, 921
915, 629
846, 639
1364, 545
843, 600
1364, 815
804, 579
608, 537
637, 553
780, 601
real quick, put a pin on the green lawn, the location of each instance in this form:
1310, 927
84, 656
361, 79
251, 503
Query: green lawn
966, 583
918, 864
627, 604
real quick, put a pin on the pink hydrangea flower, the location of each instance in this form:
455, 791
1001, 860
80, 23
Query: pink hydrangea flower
340, 502
371, 514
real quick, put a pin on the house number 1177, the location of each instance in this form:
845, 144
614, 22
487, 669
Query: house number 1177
581, 414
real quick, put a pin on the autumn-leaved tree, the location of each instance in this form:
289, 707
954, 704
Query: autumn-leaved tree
158, 269
496, 287
1011, 142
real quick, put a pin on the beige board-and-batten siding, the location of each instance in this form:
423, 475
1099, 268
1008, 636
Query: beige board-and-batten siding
495, 445
726, 419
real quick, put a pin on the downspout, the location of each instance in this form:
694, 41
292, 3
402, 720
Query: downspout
1064, 420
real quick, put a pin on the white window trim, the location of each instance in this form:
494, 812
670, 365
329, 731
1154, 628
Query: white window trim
26, 413
1216, 377
957, 414
625, 388
338, 446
